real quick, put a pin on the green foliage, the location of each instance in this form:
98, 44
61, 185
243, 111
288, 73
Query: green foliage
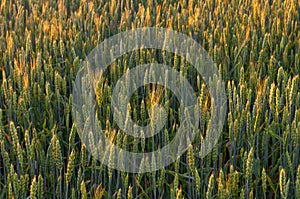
255, 45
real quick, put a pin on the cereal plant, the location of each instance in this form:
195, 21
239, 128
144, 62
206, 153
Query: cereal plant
254, 44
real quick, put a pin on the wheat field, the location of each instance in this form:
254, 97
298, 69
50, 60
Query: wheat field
254, 44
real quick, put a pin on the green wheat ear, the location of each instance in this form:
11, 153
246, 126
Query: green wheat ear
191, 159
83, 190
210, 187
242, 194
176, 181
40, 187
264, 180
119, 195
14, 180
179, 193
197, 181
233, 182
249, 166
14, 136
9, 188
222, 192
73, 195
129, 192
283, 184
33, 188
70, 166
